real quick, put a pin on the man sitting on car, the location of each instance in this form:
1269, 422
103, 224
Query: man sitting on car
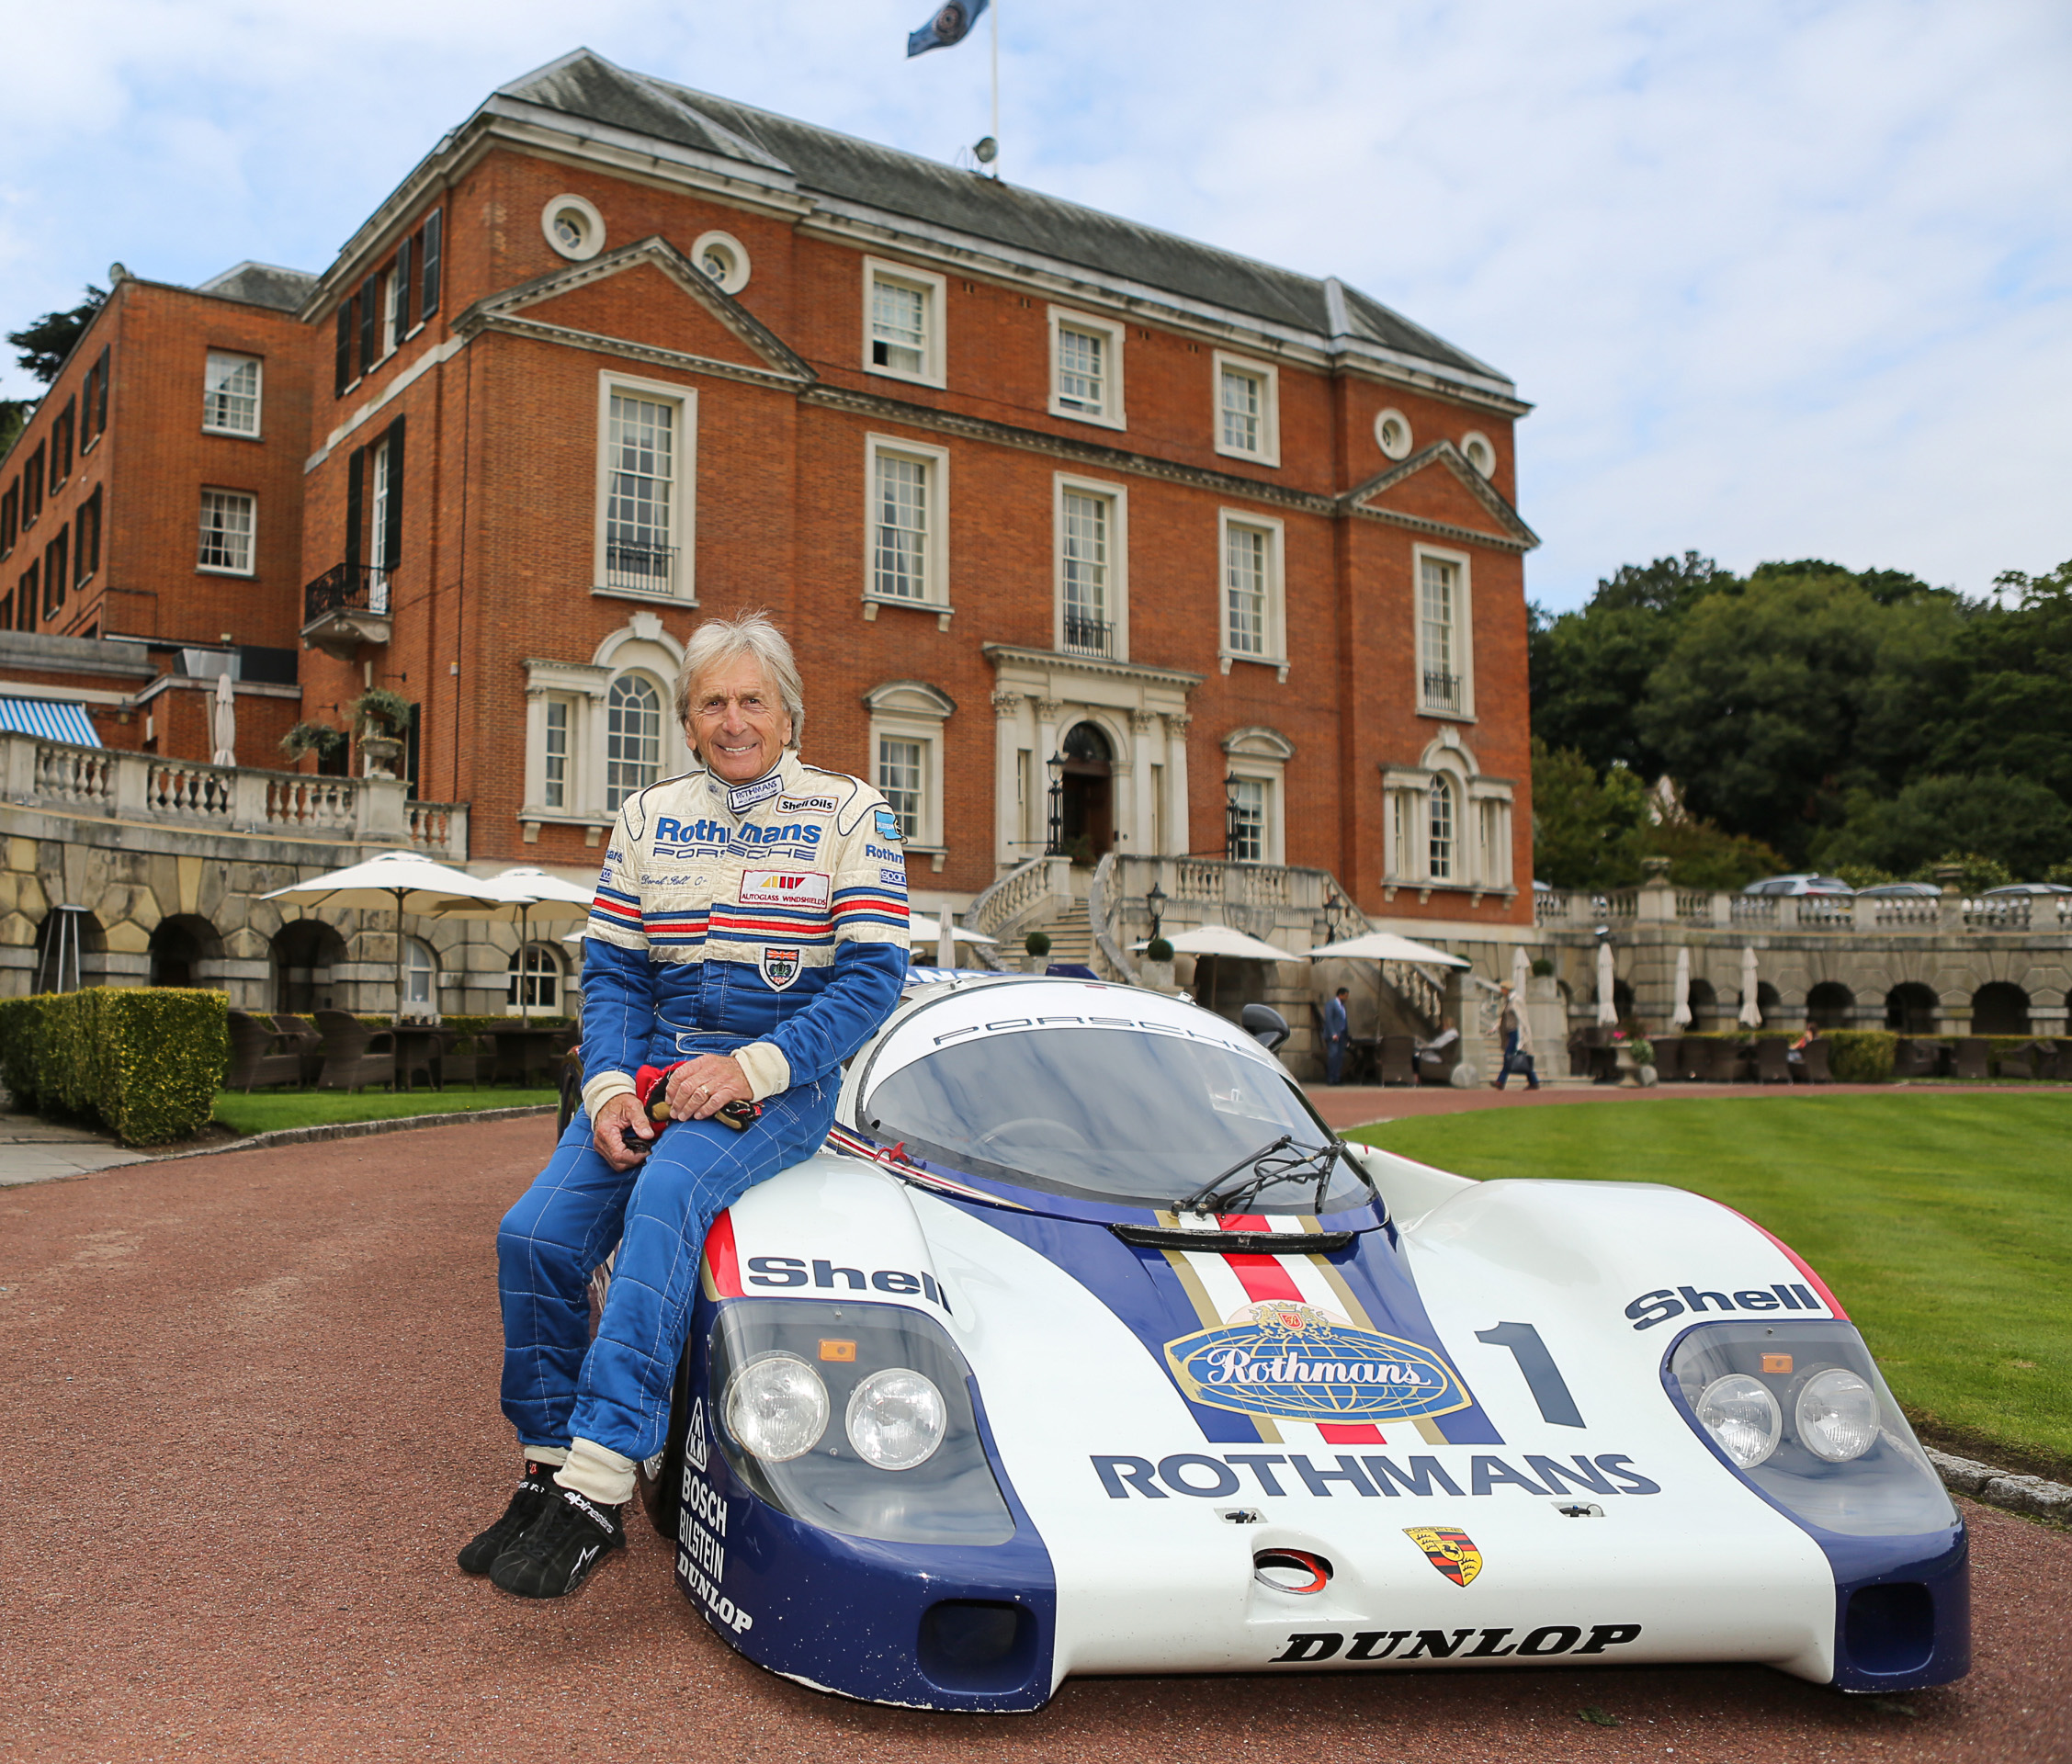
750, 924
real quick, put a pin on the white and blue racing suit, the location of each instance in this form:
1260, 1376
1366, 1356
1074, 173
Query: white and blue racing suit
767, 922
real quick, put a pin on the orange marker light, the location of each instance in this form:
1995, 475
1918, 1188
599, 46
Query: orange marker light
840, 1350
1770, 1361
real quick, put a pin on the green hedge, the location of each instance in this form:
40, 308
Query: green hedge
1868, 1055
143, 1061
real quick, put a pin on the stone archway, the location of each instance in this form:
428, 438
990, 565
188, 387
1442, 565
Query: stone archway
180, 944
304, 953
1910, 1009
1831, 1005
1704, 1005
2000, 1008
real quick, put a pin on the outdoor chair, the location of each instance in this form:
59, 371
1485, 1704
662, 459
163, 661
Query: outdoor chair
1770, 1066
354, 1054
301, 1034
1721, 1061
1814, 1069
1915, 1057
1398, 1064
254, 1058
1437, 1068
417, 1056
463, 1069
1669, 1058
2026, 1061
2059, 1065
1971, 1059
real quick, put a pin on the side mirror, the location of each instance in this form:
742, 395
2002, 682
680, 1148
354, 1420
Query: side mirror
1265, 1024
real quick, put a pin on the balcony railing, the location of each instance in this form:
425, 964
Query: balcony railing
1085, 636
644, 569
347, 588
1443, 690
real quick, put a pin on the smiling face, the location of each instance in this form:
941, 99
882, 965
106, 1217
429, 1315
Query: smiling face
738, 724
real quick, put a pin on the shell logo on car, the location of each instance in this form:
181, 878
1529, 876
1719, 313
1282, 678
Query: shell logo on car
1297, 1363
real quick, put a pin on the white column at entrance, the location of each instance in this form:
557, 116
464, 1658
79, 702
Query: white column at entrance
1145, 750
1007, 812
1181, 836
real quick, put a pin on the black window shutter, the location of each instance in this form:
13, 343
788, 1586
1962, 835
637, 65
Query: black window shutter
403, 288
100, 395
433, 227
342, 368
369, 320
355, 483
392, 537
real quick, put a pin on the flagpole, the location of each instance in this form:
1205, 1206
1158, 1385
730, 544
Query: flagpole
996, 87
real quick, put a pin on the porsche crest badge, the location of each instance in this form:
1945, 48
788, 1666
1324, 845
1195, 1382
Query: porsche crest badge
1449, 1550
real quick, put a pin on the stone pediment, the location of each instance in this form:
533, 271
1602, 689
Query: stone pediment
1437, 492
675, 309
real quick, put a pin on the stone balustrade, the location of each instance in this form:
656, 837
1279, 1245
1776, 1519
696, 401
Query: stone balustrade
1577, 909
226, 800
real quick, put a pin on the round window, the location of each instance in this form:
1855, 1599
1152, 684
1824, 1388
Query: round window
723, 258
1474, 447
1392, 434
573, 227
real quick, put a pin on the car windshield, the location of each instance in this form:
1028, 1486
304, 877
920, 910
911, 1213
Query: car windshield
1123, 1116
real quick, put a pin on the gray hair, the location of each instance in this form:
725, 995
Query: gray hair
719, 642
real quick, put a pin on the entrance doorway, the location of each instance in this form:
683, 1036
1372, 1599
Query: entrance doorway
1086, 813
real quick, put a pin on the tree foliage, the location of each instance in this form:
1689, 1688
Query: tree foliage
1828, 715
43, 345
1596, 832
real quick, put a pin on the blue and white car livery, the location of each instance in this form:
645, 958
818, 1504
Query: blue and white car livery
1084, 1348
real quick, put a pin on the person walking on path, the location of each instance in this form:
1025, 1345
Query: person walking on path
749, 932
1517, 1050
1336, 1034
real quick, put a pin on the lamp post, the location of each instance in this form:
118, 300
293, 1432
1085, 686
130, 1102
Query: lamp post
1056, 848
1231, 816
1155, 900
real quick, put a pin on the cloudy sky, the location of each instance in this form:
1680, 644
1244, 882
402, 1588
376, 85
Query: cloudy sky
1784, 278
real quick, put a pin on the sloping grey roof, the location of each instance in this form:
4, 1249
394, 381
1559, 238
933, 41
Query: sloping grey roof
261, 285
584, 85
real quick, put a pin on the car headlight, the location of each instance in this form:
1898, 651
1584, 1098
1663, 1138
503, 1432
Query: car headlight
1742, 1417
1836, 1417
895, 1419
776, 1406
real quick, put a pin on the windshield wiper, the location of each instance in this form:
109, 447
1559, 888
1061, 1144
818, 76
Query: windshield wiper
1211, 1198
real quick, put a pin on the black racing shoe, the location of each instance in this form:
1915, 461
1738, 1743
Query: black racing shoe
526, 1503
560, 1549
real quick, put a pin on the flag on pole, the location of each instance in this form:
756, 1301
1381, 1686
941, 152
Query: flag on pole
950, 26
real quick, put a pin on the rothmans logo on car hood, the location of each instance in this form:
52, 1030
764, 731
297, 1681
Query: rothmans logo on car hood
1299, 1363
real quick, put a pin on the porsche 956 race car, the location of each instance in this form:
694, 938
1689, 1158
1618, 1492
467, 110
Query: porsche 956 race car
1085, 1347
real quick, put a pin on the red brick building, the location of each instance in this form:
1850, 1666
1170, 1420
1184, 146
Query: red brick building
1024, 481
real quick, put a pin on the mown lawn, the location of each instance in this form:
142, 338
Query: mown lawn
1943, 1223
263, 1111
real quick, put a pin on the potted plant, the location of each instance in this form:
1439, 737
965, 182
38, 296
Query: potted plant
327, 743
380, 718
1037, 945
1158, 965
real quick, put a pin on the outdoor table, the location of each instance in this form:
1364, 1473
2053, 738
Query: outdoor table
522, 1052
418, 1050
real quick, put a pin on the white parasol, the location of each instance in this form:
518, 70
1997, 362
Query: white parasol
1607, 1004
1681, 1016
404, 880
534, 894
1220, 940
1751, 1012
1384, 946
922, 930
226, 721
1521, 971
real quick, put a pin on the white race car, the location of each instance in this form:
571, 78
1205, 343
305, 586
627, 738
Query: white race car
1083, 1347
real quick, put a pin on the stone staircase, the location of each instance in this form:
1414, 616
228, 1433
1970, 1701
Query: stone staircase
1072, 936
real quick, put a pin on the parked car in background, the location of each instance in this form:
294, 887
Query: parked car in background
1902, 891
1800, 884
2024, 890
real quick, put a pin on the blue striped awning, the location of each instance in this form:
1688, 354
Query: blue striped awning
48, 717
